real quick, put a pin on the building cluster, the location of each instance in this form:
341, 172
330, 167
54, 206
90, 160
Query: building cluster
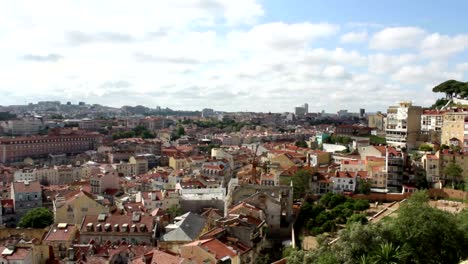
188, 192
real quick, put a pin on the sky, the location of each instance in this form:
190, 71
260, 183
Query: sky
243, 55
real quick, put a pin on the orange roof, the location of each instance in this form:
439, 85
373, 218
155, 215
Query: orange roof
220, 249
244, 205
214, 246
391, 150
61, 234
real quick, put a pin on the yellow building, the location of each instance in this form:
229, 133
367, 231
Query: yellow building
284, 160
179, 163
453, 127
74, 208
60, 238
376, 121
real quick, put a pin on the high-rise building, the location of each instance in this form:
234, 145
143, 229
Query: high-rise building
301, 110
403, 125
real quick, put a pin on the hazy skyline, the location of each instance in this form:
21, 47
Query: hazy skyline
231, 55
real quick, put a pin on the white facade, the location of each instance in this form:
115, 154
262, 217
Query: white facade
343, 184
431, 122
403, 125
24, 175
22, 127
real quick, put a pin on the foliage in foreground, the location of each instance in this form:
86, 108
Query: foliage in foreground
419, 234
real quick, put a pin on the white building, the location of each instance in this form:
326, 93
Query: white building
22, 127
432, 120
24, 175
403, 125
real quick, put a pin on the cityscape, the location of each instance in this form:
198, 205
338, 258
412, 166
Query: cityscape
191, 132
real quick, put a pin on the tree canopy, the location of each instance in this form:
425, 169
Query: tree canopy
301, 144
452, 88
37, 218
454, 171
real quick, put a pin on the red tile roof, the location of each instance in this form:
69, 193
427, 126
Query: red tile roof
391, 150
218, 248
61, 234
21, 187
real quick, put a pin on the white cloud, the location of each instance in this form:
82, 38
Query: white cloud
386, 64
432, 74
397, 38
337, 56
335, 71
190, 54
279, 35
436, 45
354, 37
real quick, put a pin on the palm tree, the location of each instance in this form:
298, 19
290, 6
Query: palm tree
387, 253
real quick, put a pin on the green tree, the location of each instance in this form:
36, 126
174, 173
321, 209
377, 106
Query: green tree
301, 144
180, 131
364, 186
147, 134
425, 147
358, 218
376, 140
418, 229
138, 130
301, 183
37, 218
443, 146
361, 205
174, 211
452, 88
453, 171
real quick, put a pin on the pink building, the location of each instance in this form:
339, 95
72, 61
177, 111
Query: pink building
102, 182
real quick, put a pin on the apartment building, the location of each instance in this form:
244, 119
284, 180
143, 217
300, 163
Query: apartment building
102, 182
19, 148
432, 120
376, 121
403, 125
26, 196
453, 128
431, 164
22, 127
